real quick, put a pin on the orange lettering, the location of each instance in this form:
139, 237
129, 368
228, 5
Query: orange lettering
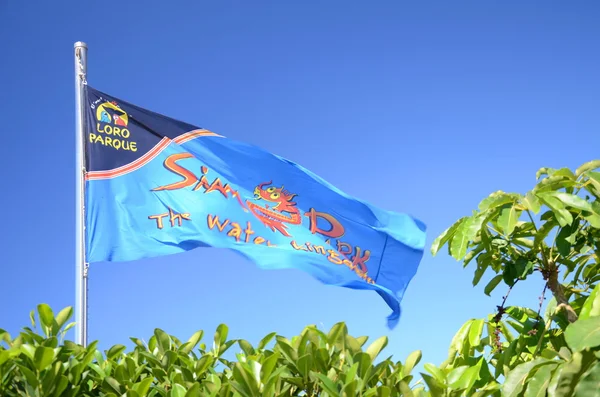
248, 232
349, 264
344, 248
298, 247
259, 240
359, 261
334, 257
188, 177
159, 222
336, 229
214, 220
178, 217
235, 232
319, 249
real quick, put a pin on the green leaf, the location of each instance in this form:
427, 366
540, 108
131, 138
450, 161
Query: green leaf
565, 238
305, 364
594, 180
384, 391
472, 254
496, 200
437, 373
461, 339
544, 171
483, 262
515, 379
543, 232
508, 220
177, 391
163, 340
445, 236
475, 332
594, 217
267, 367
583, 334
221, 335
63, 316
564, 172
46, 315
591, 306
265, 341
532, 203
539, 382
193, 391
249, 375
143, 386
192, 342
488, 390
327, 384
492, 284
589, 166
577, 202
437, 388
115, 351
464, 234
460, 242
589, 385
32, 318
411, 361
5, 355
555, 182
110, 384
43, 357
287, 350
376, 347
523, 267
572, 372
32, 379
563, 216
465, 379
61, 385
337, 334
571, 200
246, 347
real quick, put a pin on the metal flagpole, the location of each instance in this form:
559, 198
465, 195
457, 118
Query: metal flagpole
81, 267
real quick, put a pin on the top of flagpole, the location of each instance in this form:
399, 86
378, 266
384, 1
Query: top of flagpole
80, 44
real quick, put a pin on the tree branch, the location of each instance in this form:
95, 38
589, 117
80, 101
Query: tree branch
551, 277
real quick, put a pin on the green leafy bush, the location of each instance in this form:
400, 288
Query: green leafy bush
312, 363
551, 231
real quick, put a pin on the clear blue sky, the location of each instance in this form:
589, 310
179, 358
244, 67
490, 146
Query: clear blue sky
424, 109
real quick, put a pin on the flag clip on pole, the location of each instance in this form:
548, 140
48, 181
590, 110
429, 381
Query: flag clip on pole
81, 267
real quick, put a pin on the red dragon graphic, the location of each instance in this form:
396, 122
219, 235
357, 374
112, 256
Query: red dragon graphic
283, 210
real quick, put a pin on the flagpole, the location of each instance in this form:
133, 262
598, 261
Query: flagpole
81, 267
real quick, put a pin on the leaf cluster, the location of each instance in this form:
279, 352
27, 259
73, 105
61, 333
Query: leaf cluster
313, 363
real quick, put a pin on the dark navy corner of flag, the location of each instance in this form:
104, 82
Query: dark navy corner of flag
157, 186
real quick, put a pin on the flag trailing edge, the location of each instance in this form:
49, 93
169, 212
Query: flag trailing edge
158, 186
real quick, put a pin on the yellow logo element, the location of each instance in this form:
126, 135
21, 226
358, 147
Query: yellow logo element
111, 128
110, 113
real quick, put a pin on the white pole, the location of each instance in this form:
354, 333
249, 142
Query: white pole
81, 267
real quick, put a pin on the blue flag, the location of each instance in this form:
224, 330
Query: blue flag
157, 186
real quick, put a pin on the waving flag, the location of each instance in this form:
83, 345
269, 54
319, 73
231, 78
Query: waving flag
158, 186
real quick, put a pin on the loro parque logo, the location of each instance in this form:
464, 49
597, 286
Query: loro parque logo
111, 127
109, 112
